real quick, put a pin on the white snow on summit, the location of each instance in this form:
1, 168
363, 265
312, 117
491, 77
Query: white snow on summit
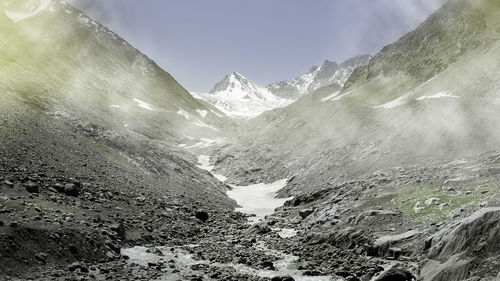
239, 97
318, 76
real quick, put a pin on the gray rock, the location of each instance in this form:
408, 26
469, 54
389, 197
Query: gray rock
452, 250
201, 215
283, 278
455, 268
42, 257
71, 189
396, 274
395, 252
305, 213
31, 187
74, 266
258, 228
119, 228
479, 232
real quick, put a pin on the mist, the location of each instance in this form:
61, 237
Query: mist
213, 39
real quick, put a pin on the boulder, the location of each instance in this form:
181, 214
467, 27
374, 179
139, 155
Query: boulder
396, 274
381, 245
74, 266
201, 215
42, 257
119, 228
258, 228
478, 233
32, 187
71, 189
454, 250
455, 268
305, 213
395, 252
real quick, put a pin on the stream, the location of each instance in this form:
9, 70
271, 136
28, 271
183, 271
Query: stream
258, 200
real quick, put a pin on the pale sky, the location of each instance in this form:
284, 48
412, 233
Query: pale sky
200, 41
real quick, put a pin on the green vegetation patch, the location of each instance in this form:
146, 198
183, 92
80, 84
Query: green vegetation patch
417, 201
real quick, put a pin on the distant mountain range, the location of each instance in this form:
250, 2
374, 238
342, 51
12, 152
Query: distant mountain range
237, 96
318, 76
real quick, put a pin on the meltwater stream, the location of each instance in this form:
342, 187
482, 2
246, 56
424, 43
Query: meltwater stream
258, 200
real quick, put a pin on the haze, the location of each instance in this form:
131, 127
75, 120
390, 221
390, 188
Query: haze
199, 42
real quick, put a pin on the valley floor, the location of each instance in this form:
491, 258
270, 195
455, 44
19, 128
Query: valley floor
105, 234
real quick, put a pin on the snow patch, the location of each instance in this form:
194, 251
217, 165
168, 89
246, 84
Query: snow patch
243, 108
202, 113
221, 178
404, 98
183, 113
143, 104
395, 103
258, 199
204, 162
114, 106
27, 9
341, 96
287, 233
204, 143
437, 96
330, 96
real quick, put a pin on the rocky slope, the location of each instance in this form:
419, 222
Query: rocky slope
405, 148
89, 130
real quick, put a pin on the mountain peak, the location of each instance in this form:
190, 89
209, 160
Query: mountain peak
237, 74
330, 72
237, 96
237, 86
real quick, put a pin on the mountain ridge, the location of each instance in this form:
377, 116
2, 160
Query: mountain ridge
237, 96
318, 76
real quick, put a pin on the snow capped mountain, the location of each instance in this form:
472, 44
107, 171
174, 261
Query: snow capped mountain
237, 86
237, 96
326, 74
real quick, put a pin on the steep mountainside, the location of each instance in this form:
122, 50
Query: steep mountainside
90, 128
415, 126
326, 74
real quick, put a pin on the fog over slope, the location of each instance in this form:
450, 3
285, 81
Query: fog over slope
432, 95
111, 170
